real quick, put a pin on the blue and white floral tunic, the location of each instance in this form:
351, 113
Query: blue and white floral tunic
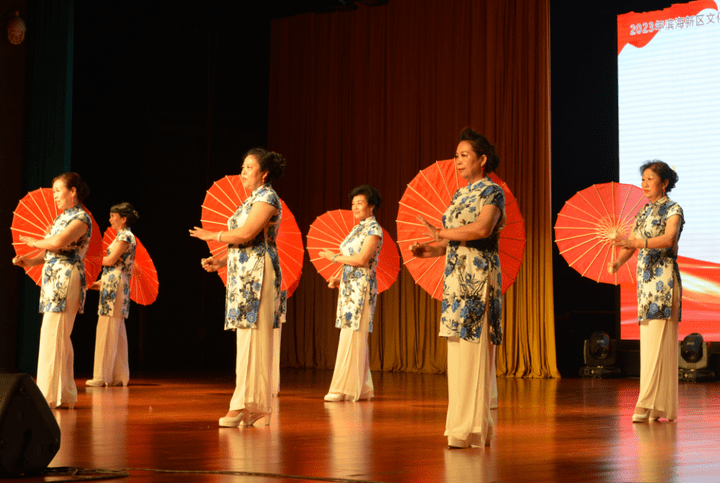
358, 282
59, 265
120, 272
472, 291
657, 266
246, 265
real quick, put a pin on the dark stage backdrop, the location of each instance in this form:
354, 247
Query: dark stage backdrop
374, 95
46, 146
167, 100
585, 152
12, 91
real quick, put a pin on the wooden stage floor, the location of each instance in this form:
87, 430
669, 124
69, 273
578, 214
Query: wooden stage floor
164, 429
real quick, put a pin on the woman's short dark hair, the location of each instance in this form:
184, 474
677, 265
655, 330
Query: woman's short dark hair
126, 211
481, 146
665, 172
371, 195
270, 161
73, 180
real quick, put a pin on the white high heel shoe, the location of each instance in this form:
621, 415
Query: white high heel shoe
233, 421
253, 417
641, 418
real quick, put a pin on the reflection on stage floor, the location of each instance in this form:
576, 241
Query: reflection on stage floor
164, 428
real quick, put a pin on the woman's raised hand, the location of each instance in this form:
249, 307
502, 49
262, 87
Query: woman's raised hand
202, 234
327, 254
620, 242
28, 241
431, 230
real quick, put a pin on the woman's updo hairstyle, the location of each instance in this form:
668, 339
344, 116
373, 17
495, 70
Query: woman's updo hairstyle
481, 146
270, 161
371, 194
126, 211
73, 180
662, 169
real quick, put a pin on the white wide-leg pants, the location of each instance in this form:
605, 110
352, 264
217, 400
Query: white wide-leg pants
253, 367
277, 336
352, 377
111, 346
111, 351
55, 375
471, 370
659, 365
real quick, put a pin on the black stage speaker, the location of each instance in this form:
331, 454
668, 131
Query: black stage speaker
29, 433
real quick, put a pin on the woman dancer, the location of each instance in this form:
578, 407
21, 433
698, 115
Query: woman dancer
657, 230
253, 303
472, 293
111, 346
62, 294
357, 298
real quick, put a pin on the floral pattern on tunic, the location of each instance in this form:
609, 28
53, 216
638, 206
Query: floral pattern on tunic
356, 282
657, 266
59, 264
246, 264
120, 272
472, 291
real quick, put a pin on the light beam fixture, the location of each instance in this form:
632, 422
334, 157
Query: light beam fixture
693, 357
600, 356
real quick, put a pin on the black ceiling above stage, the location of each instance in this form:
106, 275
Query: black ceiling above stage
288, 8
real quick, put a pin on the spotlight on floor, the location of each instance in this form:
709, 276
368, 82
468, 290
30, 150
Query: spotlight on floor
693, 358
600, 356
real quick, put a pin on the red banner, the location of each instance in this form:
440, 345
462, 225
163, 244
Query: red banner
638, 29
700, 302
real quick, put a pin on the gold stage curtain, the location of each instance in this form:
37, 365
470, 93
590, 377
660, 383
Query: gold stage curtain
375, 95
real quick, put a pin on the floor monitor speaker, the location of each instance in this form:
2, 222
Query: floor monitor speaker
29, 433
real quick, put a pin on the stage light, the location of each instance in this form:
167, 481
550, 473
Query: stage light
692, 351
600, 356
600, 348
693, 356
